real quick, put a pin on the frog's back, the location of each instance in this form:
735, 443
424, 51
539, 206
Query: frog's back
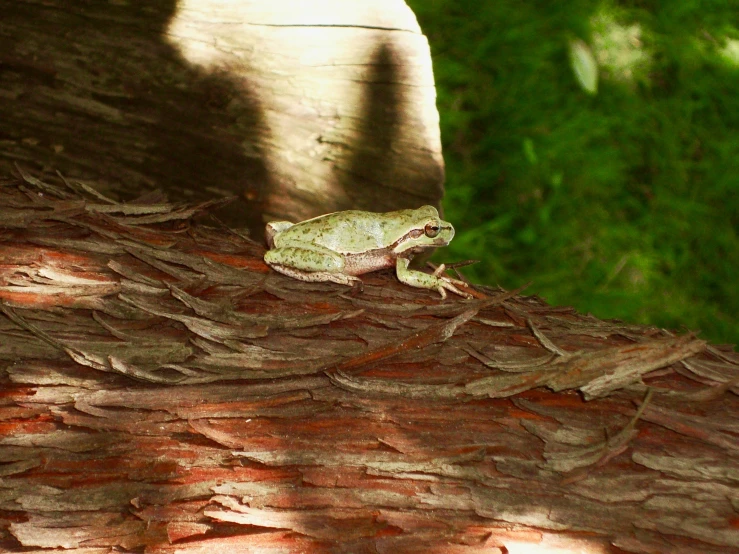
349, 232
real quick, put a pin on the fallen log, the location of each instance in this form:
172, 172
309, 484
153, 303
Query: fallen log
164, 391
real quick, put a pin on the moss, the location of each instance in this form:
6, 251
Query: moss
623, 204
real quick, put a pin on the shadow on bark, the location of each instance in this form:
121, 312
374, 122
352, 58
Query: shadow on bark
119, 104
374, 160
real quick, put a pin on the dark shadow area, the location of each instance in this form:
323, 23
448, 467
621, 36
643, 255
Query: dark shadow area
95, 91
373, 166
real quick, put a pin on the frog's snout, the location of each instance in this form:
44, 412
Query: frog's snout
446, 236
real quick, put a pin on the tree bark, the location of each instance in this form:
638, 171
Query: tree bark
164, 391
298, 107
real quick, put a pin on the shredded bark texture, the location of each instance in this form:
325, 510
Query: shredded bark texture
163, 391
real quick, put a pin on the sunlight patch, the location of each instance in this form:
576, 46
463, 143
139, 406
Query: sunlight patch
619, 49
730, 52
552, 544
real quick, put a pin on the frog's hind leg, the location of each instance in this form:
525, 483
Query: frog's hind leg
310, 262
318, 276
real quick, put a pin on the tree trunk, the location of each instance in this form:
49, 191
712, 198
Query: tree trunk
163, 391
298, 107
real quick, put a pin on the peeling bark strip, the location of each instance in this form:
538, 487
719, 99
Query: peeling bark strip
163, 392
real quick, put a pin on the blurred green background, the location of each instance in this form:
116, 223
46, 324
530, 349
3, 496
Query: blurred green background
622, 203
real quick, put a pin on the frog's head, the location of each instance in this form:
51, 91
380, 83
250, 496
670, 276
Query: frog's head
420, 229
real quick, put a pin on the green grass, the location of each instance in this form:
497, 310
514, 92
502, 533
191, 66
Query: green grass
624, 203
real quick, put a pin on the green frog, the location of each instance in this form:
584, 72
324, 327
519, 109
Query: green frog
339, 246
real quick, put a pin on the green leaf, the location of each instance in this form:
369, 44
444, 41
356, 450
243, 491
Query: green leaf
584, 66
529, 152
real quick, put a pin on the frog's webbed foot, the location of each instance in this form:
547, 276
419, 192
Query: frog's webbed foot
318, 276
449, 283
437, 281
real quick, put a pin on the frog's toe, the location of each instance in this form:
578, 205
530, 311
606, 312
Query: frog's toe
439, 273
440, 270
348, 280
451, 285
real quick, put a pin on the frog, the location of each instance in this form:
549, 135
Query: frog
339, 246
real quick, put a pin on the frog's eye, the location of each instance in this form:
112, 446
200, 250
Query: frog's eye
431, 229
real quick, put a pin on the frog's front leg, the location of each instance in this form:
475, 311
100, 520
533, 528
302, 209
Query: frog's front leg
310, 262
423, 280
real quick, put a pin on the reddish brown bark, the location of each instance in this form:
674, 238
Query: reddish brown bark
163, 391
